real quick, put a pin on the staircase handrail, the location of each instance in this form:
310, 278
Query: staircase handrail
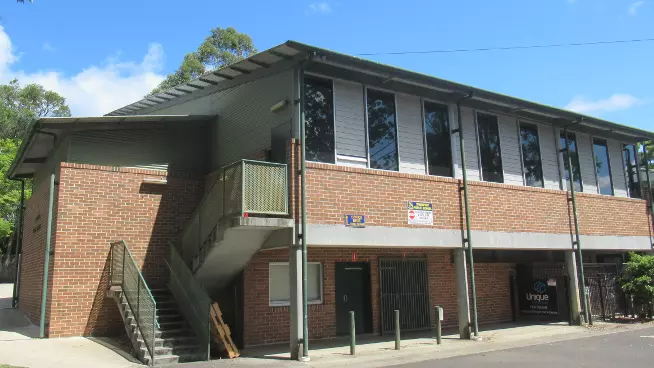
138, 297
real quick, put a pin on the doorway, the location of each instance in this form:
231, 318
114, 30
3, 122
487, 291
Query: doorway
353, 294
404, 285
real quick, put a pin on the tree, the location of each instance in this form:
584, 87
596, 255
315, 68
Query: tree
637, 282
19, 106
222, 47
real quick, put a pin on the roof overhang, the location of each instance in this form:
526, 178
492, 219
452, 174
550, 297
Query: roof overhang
45, 134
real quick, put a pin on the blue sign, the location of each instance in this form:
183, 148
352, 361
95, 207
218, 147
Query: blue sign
355, 220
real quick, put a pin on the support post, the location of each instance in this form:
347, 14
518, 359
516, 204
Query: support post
353, 338
649, 183
397, 329
46, 260
468, 237
580, 262
18, 245
462, 301
295, 274
439, 319
303, 183
573, 288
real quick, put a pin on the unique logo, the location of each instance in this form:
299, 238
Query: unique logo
540, 288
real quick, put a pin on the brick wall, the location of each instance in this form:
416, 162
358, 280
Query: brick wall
267, 325
99, 205
33, 251
382, 196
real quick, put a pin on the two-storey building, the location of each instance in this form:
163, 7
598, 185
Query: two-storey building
385, 212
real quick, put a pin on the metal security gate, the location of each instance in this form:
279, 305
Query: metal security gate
604, 293
404, 286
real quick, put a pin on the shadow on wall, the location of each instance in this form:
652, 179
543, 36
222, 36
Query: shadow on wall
103, 308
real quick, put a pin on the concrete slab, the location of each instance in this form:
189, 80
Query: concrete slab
20, 346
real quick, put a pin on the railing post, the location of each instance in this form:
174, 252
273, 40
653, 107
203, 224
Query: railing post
138, 300
242, 187
122, 282
154, 334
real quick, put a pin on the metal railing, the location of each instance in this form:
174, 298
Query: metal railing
243, 188
192, 299
126, 274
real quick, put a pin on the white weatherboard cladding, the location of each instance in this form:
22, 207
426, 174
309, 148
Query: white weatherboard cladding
549, 156
470, 145
349, 118
157, 149
586, 163
412, 154
244, 118
617, 168
51, 165
510, 148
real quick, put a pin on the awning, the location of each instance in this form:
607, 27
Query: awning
45, 133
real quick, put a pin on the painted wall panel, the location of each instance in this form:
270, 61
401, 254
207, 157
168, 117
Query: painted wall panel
349, 119
510, 147
617, 168
586, 163
410, 134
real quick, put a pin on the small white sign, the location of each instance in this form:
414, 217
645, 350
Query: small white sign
420, 213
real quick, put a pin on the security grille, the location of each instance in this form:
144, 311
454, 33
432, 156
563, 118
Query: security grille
404, 287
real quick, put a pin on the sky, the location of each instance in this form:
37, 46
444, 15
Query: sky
102, 55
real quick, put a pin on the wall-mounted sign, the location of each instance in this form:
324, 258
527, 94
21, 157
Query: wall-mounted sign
538, 296
355, 220
420, 213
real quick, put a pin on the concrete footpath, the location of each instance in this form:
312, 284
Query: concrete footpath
376, 352
21, 347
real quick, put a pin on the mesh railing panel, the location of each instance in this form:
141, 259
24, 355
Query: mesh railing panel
265, 189
136, 292
193, 301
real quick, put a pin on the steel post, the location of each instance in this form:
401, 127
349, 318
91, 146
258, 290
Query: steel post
353, 337
397, 329
46, 261
18, 245
303, 181
439, 315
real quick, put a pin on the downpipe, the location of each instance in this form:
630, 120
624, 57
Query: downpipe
468, 237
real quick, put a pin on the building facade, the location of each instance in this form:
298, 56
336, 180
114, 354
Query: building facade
385, 207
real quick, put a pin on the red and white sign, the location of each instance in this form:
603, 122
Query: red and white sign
412, 215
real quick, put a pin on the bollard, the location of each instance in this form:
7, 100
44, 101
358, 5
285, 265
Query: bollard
439, 319
397, 329
353, 340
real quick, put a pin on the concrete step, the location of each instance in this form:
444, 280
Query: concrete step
161, 360
171, 324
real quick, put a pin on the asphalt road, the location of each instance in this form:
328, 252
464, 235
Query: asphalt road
619, 350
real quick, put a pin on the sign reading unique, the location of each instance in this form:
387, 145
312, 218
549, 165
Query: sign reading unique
355, 220
538, 296
420, 213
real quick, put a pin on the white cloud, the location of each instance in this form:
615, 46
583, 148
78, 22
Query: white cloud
95, 90
615, 102
48, 47
633, 7
321, 7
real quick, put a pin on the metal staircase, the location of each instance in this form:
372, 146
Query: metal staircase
156, 327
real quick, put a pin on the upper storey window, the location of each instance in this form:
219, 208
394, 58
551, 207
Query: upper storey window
531, 159
574, 156
490, 152
629, 152
602, 166
437, 137
382, 130
319, 119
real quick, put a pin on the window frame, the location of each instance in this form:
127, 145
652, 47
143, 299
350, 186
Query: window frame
624, 165
397, 130
540, 153
561, 160
499, 136
333, 80
288, 303
608, 158
424, 136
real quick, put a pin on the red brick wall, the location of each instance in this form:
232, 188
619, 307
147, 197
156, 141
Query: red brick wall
333, 191
267, 325
99, 205
33, 251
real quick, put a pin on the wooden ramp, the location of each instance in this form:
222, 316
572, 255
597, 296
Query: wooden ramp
221, 334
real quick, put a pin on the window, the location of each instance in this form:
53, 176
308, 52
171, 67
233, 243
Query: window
574, 155
382, 130
437, 137
490, 153
602, 166
280, 288
631, 170
531, 160
319, 119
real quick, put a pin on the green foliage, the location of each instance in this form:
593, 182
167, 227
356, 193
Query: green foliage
222, 47
19, 106
637, 280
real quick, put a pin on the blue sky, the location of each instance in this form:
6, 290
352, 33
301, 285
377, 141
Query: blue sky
110, 53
